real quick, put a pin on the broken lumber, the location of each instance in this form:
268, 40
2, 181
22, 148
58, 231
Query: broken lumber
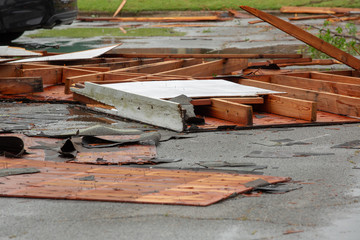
19, 85
306, 37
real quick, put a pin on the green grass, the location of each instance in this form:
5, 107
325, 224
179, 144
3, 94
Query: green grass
176, 5
94, 32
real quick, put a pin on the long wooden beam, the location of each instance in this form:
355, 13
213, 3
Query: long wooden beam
328, 10
190, 55
334, 78
306, 37
154, 19
328, 102
317, 85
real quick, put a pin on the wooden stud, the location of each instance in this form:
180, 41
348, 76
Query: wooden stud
290, 107
230, 111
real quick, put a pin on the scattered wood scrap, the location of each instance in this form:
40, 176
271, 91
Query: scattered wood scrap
325, 16
154, 19
318, 10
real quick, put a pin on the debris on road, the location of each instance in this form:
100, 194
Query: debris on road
137, 185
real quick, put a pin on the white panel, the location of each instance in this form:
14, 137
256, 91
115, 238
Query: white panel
87, 54
190, 88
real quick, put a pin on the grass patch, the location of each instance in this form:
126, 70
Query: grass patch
196, 5
95, 32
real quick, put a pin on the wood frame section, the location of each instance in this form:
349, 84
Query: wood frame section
328, 102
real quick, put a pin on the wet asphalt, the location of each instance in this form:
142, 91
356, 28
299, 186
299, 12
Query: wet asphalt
325, 204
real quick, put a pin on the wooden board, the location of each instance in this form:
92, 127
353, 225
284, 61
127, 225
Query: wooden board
306, 37
230, 111
290, 107
58, 180
20, 85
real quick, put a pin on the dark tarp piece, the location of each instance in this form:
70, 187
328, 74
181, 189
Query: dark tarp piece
268, 154
11, 146
349, 145
17, 171
276, 188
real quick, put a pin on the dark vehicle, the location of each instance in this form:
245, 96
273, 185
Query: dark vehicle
17, 16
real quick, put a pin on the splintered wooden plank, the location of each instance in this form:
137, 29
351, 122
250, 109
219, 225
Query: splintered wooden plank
197, 55
306, 37
334, 78
9, 70
217, 67
58, 180
290, 107
19, 85
234, 112
329, 102
352, 90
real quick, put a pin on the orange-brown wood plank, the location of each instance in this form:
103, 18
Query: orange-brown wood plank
290, 107
306, 37
321, 10
230, 111
154, 19
334, 78
50, 76
19, 85
347, 89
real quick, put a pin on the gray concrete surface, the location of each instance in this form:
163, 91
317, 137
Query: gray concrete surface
326, 207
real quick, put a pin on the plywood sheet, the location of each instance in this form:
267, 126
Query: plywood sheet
122, 184
190, 88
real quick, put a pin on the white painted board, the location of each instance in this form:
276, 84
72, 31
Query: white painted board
6, 51
153, 111
87, 54
190, 88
